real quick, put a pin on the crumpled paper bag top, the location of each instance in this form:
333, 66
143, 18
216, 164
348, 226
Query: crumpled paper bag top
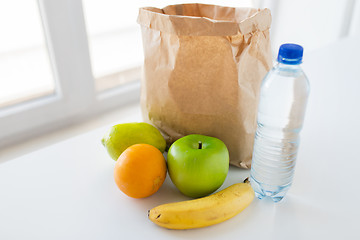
202, 72
204, 20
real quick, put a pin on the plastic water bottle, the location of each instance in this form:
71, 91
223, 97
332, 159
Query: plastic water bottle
283, 97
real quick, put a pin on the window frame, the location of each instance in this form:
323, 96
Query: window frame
75, 97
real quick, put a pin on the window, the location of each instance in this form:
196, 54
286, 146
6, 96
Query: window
114, 42
25, 71
67, 87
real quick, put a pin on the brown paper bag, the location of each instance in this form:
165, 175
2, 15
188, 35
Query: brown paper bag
202, 72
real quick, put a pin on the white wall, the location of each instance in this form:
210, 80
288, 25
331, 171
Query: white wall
312, 23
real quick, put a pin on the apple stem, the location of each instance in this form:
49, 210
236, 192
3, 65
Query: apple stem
200, 144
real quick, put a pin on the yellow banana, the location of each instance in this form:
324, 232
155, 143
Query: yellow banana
205, 211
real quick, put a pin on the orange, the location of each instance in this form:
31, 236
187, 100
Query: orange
140, 170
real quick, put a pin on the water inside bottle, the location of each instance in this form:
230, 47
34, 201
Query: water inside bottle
281, 112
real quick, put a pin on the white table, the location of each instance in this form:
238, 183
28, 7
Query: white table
67, 191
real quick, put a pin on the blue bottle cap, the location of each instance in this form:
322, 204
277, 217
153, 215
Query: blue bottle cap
290, 53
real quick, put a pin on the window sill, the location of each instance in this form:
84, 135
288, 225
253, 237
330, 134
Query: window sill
122, 114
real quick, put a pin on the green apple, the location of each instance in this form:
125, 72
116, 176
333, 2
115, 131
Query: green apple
198, 164
122, 136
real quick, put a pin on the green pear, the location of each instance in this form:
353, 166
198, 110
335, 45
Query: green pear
122, 136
